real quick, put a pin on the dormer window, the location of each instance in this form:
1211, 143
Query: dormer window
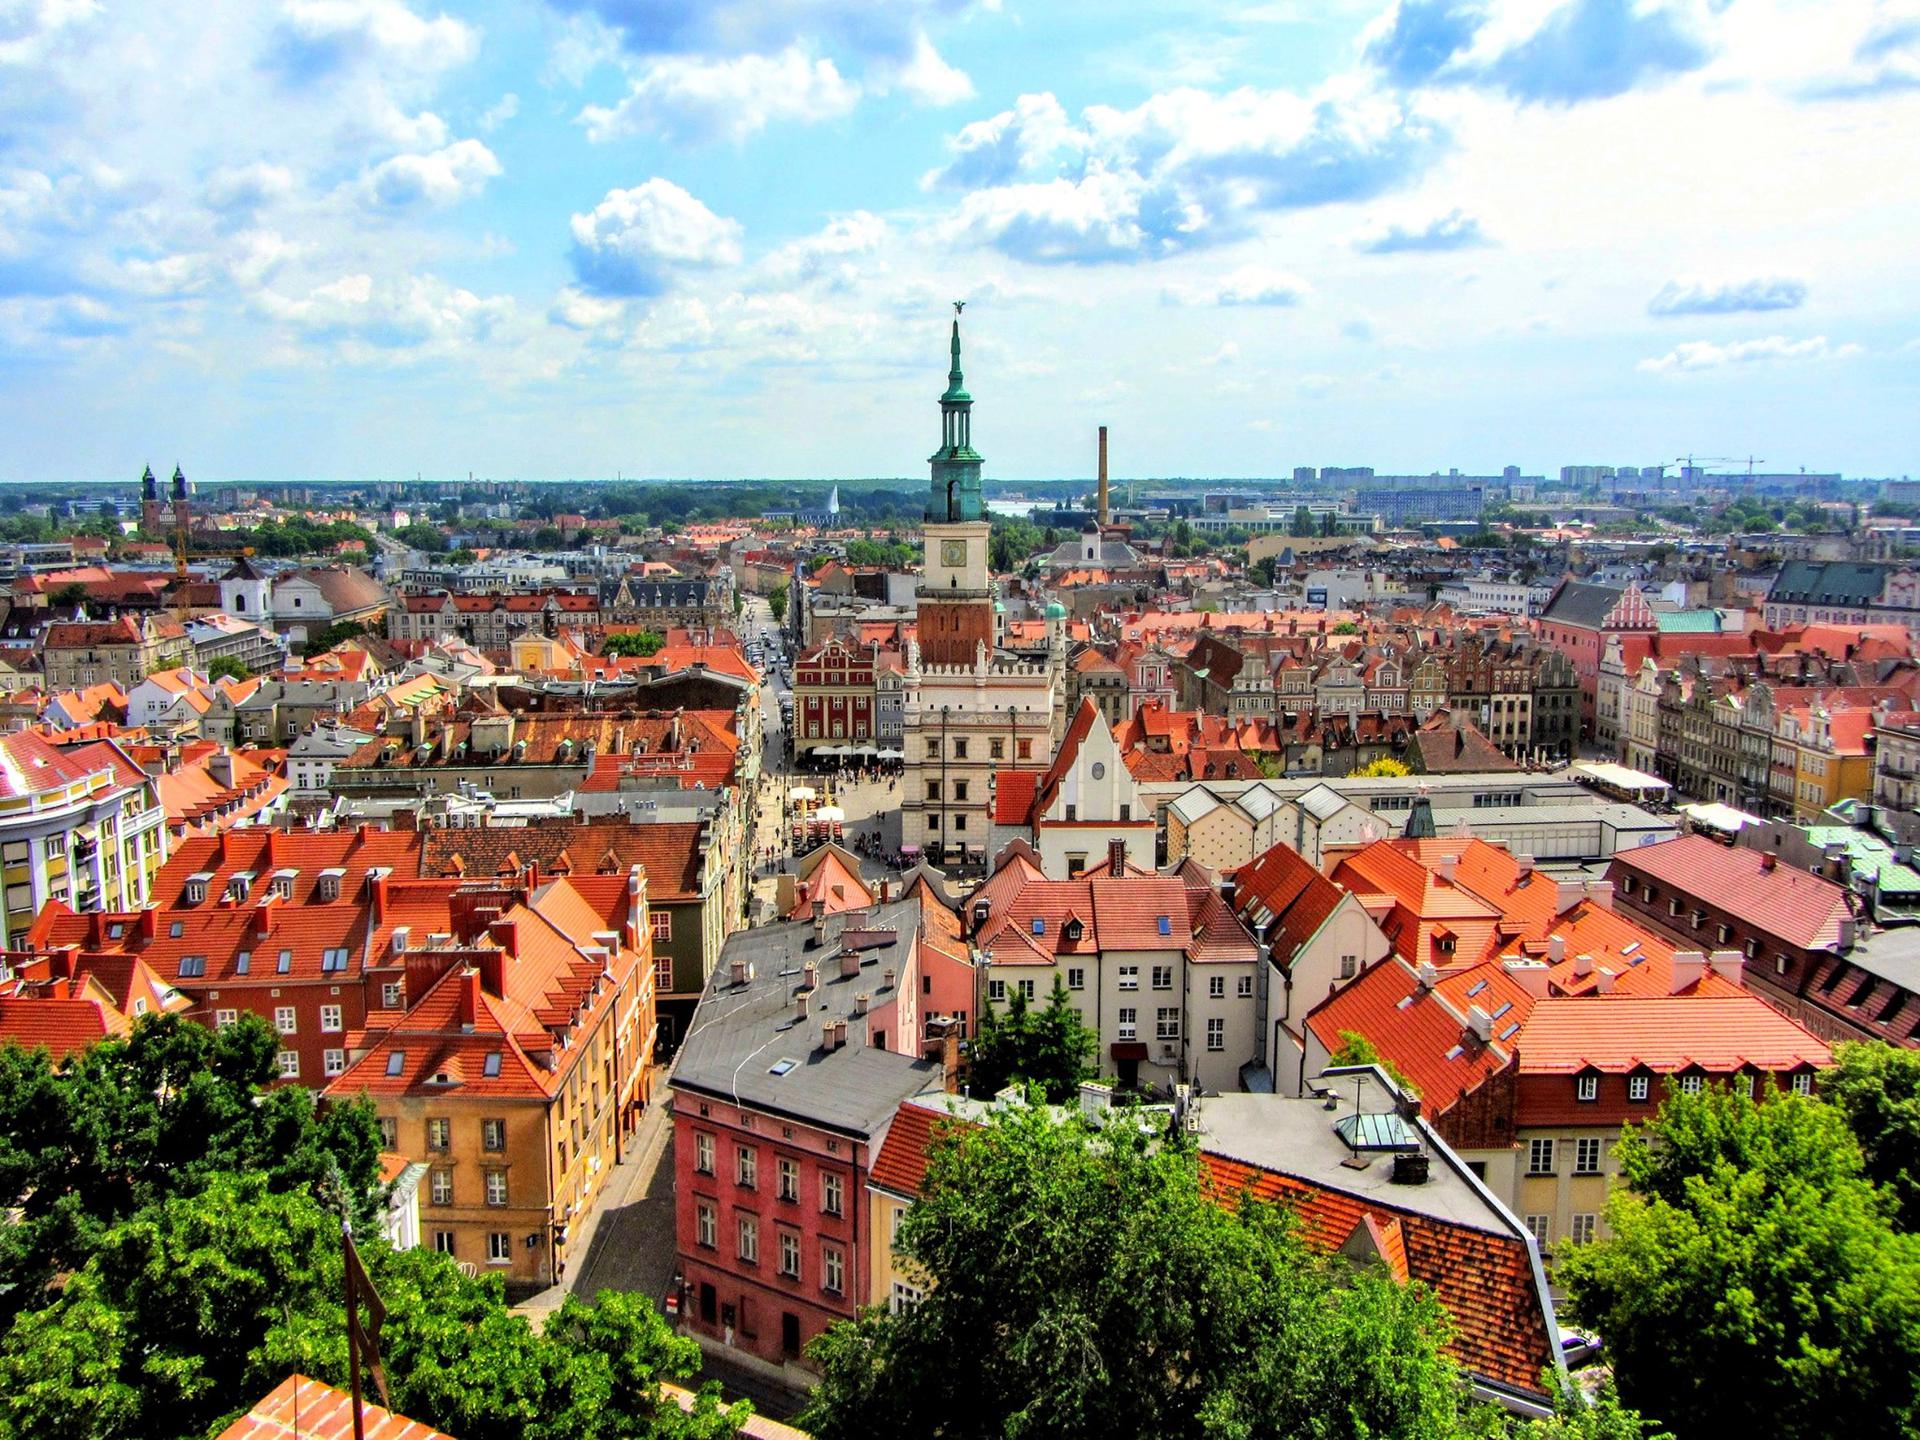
196, 891
1074, 930
1587, 1088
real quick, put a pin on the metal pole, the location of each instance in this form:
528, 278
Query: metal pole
353, 1329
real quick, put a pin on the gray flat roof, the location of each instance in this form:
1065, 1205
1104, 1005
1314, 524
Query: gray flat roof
1891, 954
1296, 1137
741, 1032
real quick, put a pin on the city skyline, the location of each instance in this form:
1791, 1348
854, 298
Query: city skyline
362, 238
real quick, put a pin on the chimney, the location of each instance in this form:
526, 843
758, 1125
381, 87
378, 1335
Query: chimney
860, 1003
1582, 965
1106, 512
399, 938
840, 1033
1427, 975
849, 963
1571, 893
220, 769
1846, 934
950, 1060
1523, 868
1445, 866
1556, 949
1480, 1023
1529, 975
887, 978
1116, 858
1603, 982
469, 997
1688, 967
1729, 965
810, 975
1768, 860
377, 888
800, 1008
826, 1034
1600, 894
819, 923
506, 934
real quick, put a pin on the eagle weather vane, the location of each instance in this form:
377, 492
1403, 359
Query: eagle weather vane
958, 306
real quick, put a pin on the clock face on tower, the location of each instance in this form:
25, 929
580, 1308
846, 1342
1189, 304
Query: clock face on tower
953, 552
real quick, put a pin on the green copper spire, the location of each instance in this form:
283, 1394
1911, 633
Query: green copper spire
956, 383
955, 492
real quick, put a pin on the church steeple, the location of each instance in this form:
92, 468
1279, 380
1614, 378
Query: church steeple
955, 491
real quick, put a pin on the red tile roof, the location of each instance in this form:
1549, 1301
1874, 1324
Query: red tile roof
1013, 792
1802, 909
1484, 1279
1284, 900
61, 1025
1718, 1029
303, 1409
1420, 1031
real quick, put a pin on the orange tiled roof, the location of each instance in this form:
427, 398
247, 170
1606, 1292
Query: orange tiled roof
303, 1409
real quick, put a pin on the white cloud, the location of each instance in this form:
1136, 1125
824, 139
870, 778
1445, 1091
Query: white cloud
633, 239
317, 38
927, 77
1247, 285
1183, 169
500, 112
698, 100
833, 255
247, 187
444, 177
411, 316
576, 310
1728, 297
1706, 355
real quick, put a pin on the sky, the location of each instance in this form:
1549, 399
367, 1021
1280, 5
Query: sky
552, 239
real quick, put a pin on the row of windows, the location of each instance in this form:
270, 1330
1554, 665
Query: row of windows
1129, 979
833, 1259
499, 1246
1583, 1228
1587, 1154
440, 1187
746, 1174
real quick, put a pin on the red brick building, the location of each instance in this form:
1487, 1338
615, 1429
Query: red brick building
800, 1053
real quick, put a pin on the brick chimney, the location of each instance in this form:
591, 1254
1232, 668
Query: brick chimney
470, 996
1116, 849
506, 934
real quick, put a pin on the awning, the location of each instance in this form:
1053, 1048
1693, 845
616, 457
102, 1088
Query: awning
909, 849
1128, 1050
893, 754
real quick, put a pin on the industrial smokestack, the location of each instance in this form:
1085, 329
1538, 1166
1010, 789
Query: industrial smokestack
1106, 511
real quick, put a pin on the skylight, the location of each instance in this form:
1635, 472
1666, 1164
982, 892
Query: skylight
1166, 925
781, 1067
396, 1062
1039, 926
286, 962
1477, 986
491, 1069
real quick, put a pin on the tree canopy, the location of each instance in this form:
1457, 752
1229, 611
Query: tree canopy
1877, 1089
1087, 1286
230, 667
1049, 1047
1386, 767
174, 1195
1755, 1282
633, 642
777, 602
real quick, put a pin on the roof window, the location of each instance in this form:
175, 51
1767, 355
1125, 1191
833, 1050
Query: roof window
193, 967
331, 960
176, 930
491, 1068
1166, 925
1039, 925
286, 963
396, 1061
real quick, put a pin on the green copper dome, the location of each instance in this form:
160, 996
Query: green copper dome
1056, 611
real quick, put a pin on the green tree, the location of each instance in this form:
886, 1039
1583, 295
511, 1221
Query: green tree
1385, 768
229, 667
1753, 1283
1877, 1088
67, 596
462, 556
548, 537
633, 642
1011, 542
1050, 1047
1089, 1286
1302, 523
131, 1123
777, 602
194, 1307
429, 539
337, 633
